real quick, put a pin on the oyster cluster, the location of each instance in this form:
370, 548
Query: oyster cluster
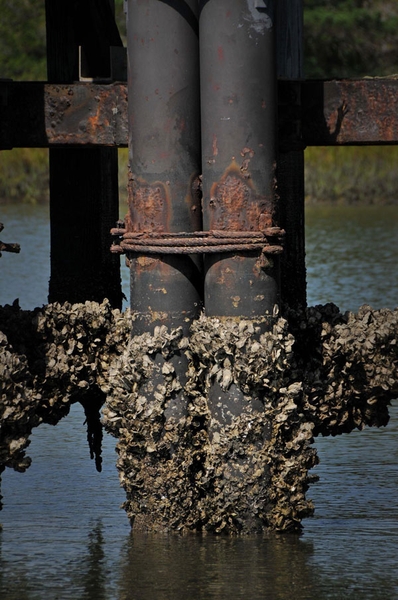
255, 471
349, 364
49, 358
160, 443
215, 430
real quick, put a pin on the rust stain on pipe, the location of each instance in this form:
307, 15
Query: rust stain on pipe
150, 205
236, 205
146, 263
193, 200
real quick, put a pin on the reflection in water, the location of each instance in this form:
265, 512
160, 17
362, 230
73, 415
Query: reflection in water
275, 567
355, 528
175, 568
14, 583
170, 567
62, 518
93, 566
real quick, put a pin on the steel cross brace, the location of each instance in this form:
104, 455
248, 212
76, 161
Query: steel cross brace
310, 113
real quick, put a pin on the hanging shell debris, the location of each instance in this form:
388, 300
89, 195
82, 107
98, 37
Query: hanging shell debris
49, 358
225, 447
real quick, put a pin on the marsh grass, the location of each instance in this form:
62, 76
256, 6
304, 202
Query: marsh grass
347, 175
352, 175
24, 176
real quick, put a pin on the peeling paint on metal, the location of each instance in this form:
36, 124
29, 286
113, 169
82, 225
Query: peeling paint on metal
259, 17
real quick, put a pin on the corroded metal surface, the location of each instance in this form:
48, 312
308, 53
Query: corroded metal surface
269, 241
235, 204
39, 114
361, 111
150, 206
84, 112
337, 112
164, 149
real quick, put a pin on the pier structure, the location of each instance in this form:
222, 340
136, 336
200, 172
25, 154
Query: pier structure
212, 402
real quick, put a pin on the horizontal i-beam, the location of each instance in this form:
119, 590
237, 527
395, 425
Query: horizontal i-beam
332, 113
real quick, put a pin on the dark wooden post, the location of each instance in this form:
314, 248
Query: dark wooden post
290, 165
83, 181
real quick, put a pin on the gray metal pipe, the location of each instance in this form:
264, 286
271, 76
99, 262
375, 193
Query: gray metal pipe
164, 147
238, 107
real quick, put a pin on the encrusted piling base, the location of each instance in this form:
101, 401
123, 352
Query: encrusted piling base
229, 448
236, 473
217, 469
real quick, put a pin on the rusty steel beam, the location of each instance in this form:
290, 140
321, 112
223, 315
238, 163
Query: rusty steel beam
332, 113
41, 115
350, 112
82, 111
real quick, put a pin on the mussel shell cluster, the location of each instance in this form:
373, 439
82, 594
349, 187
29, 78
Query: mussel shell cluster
215, 430
220, 469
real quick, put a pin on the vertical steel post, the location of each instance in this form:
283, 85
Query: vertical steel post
238, 103
290, 171
164, 142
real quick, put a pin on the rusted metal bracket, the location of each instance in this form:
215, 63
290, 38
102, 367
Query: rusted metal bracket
310, 113
41, 115
350, 112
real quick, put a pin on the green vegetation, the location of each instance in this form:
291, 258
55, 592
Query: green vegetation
352, 175
350, 38
22, 40
24, 176
343, 38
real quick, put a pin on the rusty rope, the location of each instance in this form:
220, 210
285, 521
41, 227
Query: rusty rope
198, 242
